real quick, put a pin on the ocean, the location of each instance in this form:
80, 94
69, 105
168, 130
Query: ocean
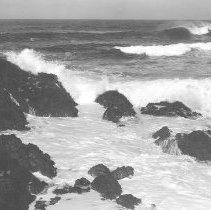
147, 61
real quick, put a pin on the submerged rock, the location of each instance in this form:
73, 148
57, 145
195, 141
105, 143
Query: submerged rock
122, 172
196, 144
69, 189
41, 95
98, 170
11, 116
162, 134
107, 186
28, 156
117, 106
83, 184
165, 108
128, 201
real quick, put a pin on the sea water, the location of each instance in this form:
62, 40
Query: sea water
146, 63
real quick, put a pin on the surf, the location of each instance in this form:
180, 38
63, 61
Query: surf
165, 50
195, 93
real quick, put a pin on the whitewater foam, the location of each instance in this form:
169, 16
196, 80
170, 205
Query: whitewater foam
194, 27
165, 50
195, 93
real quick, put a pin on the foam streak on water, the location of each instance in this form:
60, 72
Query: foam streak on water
195, 93
76, 144
165, 50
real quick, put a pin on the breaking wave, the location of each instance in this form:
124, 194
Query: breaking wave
186, 27
195, 93
165, 50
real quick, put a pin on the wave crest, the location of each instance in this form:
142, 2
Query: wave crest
165, 50
195, 93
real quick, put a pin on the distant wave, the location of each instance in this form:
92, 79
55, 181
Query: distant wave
177, 33
165, 50
195, 93
186, 28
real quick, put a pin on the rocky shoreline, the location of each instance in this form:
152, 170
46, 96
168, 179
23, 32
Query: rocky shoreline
24, 93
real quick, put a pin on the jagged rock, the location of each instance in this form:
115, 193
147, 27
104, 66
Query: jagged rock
162, 134
128, 201
17, 185
69, 189
42, 204
28, 156
196, 144
42, 94
122, 172
83, 184
55, 200
98, 170
165, 108
107, 186
11, 116
117, 106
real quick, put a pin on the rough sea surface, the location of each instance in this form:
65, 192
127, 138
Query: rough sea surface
147, 61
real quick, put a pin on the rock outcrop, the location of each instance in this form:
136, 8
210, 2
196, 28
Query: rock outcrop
28, 156
168, 109
128, 201
41, 95
18, 186
116, 104
122, 172
98, 170
11, 116
196, 144
107, 186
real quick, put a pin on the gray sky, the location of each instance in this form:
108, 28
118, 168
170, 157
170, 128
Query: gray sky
106, 9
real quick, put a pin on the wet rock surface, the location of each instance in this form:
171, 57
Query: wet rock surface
196, 144
98, 170
107, 186
116, 104
18, 186
165, 108
29, 156
11, 115
122, 172
128, 201
41, 95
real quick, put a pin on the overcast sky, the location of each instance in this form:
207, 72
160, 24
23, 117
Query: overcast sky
106, 9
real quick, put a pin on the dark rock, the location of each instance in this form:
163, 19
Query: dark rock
17, 185
122, 172
128, 201
107, 186
196, 144
113, 114
69, 189
42, 94
11, 116
117, 106
82, 183
162, 134
55, 200
28, 156
98, 170
40, 205
165, 108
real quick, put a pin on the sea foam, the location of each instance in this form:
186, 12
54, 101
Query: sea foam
195, 93
165, 50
